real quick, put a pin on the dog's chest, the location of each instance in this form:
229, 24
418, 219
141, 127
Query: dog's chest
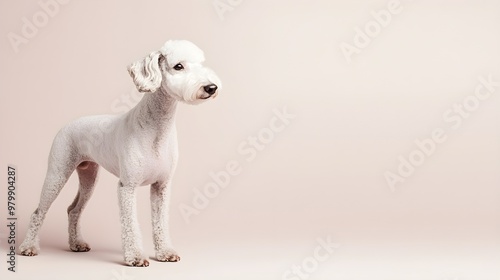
159, 161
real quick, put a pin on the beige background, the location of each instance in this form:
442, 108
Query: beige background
323, 175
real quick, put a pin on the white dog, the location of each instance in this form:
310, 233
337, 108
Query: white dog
139, 147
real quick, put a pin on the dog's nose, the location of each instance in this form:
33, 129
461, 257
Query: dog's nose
210, 89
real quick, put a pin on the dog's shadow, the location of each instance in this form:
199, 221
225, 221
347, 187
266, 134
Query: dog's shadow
99, 255
108, 255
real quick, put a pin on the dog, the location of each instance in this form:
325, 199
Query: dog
139, 147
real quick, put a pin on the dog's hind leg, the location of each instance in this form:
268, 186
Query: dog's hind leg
62, 162
87, 174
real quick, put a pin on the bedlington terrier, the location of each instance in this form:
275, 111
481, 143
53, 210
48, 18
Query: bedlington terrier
139, 147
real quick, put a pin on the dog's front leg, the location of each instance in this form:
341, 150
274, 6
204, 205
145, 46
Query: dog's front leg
160, 198
131, 234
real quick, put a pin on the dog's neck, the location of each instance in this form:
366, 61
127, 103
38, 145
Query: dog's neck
156, 111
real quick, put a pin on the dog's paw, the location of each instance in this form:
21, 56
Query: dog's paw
80, 247
168, 255
137, 262
30, 251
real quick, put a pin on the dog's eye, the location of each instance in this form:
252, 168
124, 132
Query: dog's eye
178, 67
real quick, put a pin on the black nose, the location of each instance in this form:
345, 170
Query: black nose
210, 89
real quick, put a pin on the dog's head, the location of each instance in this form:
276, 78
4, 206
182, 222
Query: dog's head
177, 70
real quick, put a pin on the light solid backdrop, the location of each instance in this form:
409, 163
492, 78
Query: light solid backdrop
322, 101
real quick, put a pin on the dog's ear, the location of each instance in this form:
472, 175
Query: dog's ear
146, 73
